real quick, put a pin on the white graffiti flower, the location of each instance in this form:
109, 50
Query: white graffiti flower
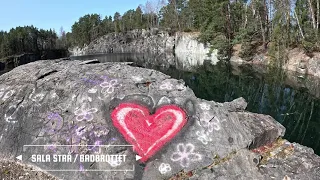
114, 163
206, 116
108, 86
210, 122
166, 86
164, 168
185, 154
203, 136
85, 114
204, 106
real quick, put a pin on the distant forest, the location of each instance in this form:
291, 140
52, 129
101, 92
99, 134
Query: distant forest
29, 39
274, 25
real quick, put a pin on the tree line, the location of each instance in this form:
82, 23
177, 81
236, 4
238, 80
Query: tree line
272, 24
29, 39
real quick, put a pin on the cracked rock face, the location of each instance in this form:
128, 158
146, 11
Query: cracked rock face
135, 41
184, 46
84, 105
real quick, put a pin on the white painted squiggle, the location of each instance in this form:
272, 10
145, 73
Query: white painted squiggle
204, 106
164, 168
38, 97
166, 86
85, 113
203, 136
210, 122
92, 90
9, 118
8, 95
185, 154
114, 163
108, 87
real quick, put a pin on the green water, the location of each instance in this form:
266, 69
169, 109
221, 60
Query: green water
294, 107
293, 100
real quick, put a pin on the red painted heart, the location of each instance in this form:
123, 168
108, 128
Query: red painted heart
148, 133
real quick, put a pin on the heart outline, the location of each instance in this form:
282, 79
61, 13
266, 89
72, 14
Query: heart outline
120, 113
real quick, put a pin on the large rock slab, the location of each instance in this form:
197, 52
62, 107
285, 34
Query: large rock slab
73, 107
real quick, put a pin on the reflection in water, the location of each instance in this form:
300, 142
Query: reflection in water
289, 98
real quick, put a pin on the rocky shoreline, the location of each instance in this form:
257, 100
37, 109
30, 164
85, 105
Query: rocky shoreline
297, 61
184, 46
50, 103
11, 62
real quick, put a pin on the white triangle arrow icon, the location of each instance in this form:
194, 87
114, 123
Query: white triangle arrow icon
19, 157
138, 157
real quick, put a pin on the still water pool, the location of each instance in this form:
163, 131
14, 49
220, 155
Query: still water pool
292, 99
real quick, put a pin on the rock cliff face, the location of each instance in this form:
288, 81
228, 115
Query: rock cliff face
14, 61
191, 51
96, 109
184, 45
297, 61
10, 62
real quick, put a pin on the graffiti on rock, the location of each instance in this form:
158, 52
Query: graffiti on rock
114, 163
185, 154
69, 133
10, 118
36, 98
164, 100
92, 81
148, 133
108, 86
204, 136
205, 106
137, 78
92, 90
210, 122
8, 94
85, 113
11, 114
2, 91
164, 168
166, 86
95, 80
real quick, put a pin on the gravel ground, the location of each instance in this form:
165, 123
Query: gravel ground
15, 170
